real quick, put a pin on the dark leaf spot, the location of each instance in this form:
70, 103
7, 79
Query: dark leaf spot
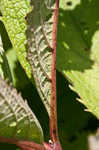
69, 3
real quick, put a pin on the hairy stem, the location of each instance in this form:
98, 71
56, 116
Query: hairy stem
53, 117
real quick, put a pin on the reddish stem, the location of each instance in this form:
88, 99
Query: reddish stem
25, 145
53, 109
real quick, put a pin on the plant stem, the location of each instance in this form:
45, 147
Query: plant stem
53, 109
25, 145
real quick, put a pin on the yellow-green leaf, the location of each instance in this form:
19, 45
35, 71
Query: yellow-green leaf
78, 50
13, 17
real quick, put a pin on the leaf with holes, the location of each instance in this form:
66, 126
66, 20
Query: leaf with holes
16, 118
39, 35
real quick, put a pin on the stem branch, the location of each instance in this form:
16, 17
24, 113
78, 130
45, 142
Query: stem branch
25, 145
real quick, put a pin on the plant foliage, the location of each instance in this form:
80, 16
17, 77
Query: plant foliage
39, 36
29, 26
16, 118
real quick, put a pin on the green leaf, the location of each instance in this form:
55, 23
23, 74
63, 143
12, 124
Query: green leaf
4, 66
16, 118
17, 71
77, 34
14, 13
14, 20
1, 59
39, 36
78, 50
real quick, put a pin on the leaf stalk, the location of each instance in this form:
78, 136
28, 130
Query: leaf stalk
53, 108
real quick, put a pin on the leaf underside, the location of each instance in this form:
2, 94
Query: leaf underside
39, 36
16, 118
